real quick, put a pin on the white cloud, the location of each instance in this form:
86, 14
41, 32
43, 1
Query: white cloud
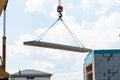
41, 6
113, 20
108, 22
109, 2
35, 6
18, 49
86, 25
23, 38
43, 66
86, 4
101, 11
54, 13
70, 5
68, 76
53, 54
107, 5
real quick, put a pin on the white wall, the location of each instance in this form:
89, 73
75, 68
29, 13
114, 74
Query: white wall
36, 78
42, 78
18, 78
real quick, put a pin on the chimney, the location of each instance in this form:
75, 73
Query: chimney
19, 72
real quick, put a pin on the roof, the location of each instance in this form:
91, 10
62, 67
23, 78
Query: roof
31, 73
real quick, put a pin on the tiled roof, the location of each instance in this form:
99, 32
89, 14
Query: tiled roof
31, 72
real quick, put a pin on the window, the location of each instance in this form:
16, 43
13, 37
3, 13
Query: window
30, 78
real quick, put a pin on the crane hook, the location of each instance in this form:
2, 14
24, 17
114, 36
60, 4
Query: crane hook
60, 9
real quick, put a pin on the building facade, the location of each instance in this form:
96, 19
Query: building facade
102, 65
30, 75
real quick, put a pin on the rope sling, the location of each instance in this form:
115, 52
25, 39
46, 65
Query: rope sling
37, 42
60, 10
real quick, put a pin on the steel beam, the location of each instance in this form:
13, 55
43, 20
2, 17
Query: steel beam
56, 46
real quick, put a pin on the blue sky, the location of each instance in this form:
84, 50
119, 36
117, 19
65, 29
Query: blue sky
96, 23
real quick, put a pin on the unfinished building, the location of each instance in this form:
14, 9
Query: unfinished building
102, 65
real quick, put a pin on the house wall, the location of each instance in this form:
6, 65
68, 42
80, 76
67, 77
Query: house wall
18, 78
36, 78
42, 78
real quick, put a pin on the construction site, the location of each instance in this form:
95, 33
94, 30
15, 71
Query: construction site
99, 64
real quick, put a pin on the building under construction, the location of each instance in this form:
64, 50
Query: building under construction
102, 65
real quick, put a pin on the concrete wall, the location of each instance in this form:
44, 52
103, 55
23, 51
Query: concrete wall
107, 66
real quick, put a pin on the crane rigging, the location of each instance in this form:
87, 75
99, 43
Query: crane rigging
39, 43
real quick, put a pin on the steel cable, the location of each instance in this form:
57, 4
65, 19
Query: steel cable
45, 32
72, 35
